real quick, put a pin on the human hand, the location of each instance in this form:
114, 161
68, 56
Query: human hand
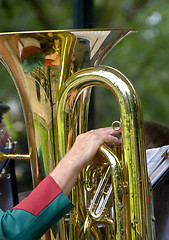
87, 144
80, 155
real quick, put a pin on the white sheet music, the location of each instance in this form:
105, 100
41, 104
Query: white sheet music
157, 163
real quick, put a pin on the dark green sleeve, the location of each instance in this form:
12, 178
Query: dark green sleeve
30, 219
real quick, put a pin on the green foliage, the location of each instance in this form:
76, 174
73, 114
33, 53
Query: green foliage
143, 58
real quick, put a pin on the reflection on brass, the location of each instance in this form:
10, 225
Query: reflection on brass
54, 72
116, 125
4, 156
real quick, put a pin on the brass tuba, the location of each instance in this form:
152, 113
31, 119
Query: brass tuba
54, 72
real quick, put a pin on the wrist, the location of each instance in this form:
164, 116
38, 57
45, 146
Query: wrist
66, 172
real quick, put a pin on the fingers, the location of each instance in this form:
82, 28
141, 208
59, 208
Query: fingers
114, 140
105, 131
92, 140
87, 144
106, 135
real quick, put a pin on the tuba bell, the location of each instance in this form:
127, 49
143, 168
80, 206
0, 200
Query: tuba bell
54, 72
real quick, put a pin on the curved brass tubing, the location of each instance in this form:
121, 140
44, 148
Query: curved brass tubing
55, 96
137, 217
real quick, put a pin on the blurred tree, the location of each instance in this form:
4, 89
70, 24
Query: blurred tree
142, 56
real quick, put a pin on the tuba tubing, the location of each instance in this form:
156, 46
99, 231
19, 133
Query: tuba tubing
55, 97
138, 214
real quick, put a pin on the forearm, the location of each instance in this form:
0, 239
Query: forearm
47, 203
66, 172
31, 218
80, 155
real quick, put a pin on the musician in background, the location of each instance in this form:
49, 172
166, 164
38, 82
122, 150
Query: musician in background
48, 202
157, 135
8, 186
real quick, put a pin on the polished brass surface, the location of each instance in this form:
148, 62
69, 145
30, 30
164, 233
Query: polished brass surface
116, 125
137, 222
54, 72
4, 156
